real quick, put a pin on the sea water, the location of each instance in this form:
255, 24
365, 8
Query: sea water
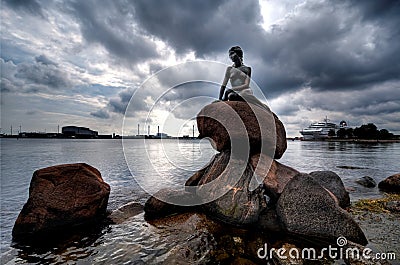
158, 163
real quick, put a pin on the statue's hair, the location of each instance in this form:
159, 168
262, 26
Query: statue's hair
237, 50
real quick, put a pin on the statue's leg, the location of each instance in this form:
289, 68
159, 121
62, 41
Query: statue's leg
226, 95
233, 96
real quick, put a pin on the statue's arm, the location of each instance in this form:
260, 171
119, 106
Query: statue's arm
224, 83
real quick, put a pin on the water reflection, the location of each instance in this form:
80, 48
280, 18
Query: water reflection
68, 247
350, 161
166, 163
137, 242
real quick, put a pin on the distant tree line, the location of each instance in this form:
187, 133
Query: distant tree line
365, 131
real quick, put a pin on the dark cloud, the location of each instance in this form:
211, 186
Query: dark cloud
42, 74
101, 113
10, 51
190, 90
120, 103
31, 6
110, 24
33, 77
371, 9
331, 47
184, 101
200, 26
343, 45
376, 101
44, 60
32, 112
323, 55
8, 82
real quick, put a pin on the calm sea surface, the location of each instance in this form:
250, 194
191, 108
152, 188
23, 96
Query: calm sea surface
154, 164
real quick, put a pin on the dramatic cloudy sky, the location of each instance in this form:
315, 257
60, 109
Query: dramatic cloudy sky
79, 62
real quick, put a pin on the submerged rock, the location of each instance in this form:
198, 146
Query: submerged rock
168, 202
125, 212
60, 198
195, 238
306, 209
390, 184
191, 237
367, 182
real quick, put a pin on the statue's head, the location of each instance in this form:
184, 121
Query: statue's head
237, 50
236, 55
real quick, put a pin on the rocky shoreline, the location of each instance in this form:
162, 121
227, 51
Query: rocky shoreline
228, 210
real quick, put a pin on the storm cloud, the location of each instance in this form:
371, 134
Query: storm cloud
204, 27
336, 57
110, 24
41, 75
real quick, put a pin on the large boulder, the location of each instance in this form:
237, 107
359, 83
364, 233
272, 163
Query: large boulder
234, 122
306, 209
333, 183
272, 174
211, 171
62, 197
390, 184
240, 206
225, 186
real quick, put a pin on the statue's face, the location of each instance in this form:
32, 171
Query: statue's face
234, 57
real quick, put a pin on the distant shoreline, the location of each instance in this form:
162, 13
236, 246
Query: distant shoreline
361, 141
151, 137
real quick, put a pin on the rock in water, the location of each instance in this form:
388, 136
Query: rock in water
332, 182
125, 212
168, 201
306, 209
391, 184
367, 182
238, 122
62, 197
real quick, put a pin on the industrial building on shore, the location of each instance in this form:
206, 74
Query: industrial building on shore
79, 132
66, 132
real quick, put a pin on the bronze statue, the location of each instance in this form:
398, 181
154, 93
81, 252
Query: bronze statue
239, 75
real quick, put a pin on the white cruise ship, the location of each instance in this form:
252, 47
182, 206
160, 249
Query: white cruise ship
320, 130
